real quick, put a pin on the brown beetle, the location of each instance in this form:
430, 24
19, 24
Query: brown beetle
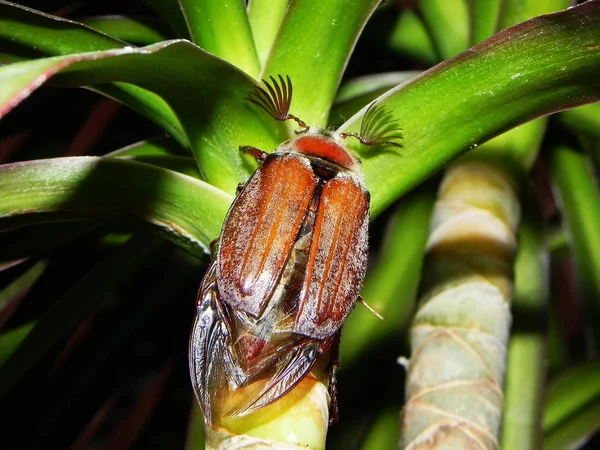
289, 267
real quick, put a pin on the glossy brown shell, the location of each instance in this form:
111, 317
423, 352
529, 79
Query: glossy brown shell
262, 228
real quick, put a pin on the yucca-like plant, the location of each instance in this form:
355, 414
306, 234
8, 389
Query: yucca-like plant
97, 295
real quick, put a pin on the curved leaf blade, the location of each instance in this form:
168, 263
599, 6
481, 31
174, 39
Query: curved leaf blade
209, 22
206, 92
545, 65
313, 48
129, 29
89, 188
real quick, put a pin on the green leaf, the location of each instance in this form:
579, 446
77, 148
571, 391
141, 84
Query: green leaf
83, 299
27, 241
533, 69
46, 35
313, 48
384, 434
483, 18
143, 31
161, 146
50, 35
515, 11
354, 94
266, 17
206, 92
195, 433
448, 23
526, 360
576, 431
21, 284
517, 149
10, 340
585, 119
410, 36
147, 104
170, 11
580, 203
211, 23
88, 188
569, 392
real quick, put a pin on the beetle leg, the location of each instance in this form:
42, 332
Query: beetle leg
213, 246
334, 366
258, 154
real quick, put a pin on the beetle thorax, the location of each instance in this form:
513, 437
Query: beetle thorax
322, 146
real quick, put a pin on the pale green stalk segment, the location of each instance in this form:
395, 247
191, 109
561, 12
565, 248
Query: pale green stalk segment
448, 24
80, 301
526, 364
536, 68
580, 203
298, 420
516, 11
460, 331
574, 433
484, 19
313, 48
391, 286
221, 27
585, 118
266, 17
84, 188
410, 36
569, 392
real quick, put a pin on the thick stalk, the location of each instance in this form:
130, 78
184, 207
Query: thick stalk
460, 332
298, 420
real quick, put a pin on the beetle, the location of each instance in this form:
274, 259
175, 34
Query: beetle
289, 266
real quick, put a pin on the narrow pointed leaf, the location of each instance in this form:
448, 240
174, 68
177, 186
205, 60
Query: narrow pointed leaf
410, 37
515, 11
391, 286
210, 23
569, 391
170, 11
206, 92
48, 35
483, 18
89, 188
84, 298
448, 23
135, 30
313, 48
580, 203
526, 362
536, 68
266, 17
